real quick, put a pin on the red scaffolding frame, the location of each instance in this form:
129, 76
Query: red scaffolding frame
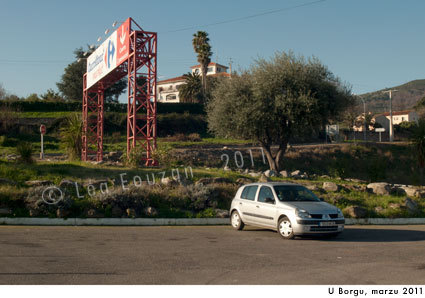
141, 69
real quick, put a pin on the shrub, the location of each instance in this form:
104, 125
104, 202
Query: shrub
70, 134
25, 150
133, 159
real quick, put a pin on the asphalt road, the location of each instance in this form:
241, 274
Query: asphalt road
209, 255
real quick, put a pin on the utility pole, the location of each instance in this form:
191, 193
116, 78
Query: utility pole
230, 66
391, 114
364, 118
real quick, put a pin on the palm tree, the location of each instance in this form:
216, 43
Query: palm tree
191, 91
202, 48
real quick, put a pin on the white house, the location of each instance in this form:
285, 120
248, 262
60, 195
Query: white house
168, 90
398, 117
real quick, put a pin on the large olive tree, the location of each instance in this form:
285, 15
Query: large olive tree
275, 100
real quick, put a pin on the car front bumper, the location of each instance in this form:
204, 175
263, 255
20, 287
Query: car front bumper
314, 226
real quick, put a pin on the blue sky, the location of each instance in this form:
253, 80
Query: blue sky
370, 44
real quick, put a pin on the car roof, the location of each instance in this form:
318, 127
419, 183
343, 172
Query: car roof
271, 183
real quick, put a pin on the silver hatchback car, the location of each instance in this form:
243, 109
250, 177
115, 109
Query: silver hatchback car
289, 208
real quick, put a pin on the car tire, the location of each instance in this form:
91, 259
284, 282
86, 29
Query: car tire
236, 221
284, 228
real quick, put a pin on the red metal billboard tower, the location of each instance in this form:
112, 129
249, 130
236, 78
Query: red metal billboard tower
141, 68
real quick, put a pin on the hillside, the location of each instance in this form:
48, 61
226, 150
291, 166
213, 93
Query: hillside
405, 98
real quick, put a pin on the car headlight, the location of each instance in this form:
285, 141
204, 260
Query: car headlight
340, 214
302, 213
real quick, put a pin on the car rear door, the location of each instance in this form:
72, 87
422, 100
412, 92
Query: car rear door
247, 203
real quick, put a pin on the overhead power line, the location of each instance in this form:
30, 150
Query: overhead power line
247, 17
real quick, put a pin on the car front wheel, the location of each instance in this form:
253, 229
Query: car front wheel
236, 221
285, 228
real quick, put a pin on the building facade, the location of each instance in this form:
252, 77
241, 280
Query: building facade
398, 117
168, 90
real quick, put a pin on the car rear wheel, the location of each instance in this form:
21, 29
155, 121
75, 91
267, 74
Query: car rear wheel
236, 221
285, 228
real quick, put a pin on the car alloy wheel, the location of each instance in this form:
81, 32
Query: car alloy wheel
285, 228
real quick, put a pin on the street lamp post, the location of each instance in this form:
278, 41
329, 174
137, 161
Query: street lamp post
391, 114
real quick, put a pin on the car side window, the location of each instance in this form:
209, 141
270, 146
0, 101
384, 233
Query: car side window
249, 192
266, 195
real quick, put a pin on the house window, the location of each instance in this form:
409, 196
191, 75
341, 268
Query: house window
402, 118
170, 97
210, 69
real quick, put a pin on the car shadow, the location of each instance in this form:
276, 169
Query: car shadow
372, 235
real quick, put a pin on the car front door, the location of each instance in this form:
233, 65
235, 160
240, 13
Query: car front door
266, 207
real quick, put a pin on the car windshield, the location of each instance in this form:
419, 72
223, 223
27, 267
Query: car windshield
295, 193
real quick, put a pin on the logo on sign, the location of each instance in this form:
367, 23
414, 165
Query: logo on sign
109, 55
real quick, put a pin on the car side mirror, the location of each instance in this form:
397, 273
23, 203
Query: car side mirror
269, 200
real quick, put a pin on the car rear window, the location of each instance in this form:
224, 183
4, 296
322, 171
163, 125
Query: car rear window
249, 192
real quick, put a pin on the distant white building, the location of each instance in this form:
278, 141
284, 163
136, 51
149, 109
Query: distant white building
168, 90
398, 117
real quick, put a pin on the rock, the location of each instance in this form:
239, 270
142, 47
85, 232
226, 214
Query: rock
131, 212
284, 174
11, 157
221, 213
4, 181
330, 186
270, 173
243, 181
356, 211
5, 211
312, 187
354, 187
93, 213
254, 174
325, 177
221, 180
36, 183
226, 168
263, 178
379, 188
150, 211
296, 174
246, 171
204, 181
410, 191
394, 205
411, 205
168, 181
303, 176
379, 209
116, 211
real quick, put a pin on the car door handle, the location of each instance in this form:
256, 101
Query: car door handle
240, 203
257, 206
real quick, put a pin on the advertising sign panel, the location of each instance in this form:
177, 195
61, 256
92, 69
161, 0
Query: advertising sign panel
109, 55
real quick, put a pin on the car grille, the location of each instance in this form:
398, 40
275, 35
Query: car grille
324, 229
320, 216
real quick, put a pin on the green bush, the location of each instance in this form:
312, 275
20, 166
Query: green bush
25, 150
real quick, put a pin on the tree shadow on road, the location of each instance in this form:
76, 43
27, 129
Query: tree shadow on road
374, 235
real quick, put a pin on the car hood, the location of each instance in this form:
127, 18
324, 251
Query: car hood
313, 207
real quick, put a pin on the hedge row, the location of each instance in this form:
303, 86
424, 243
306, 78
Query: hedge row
59, 106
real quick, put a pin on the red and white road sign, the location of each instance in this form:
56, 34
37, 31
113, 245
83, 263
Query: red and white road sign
43, 129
